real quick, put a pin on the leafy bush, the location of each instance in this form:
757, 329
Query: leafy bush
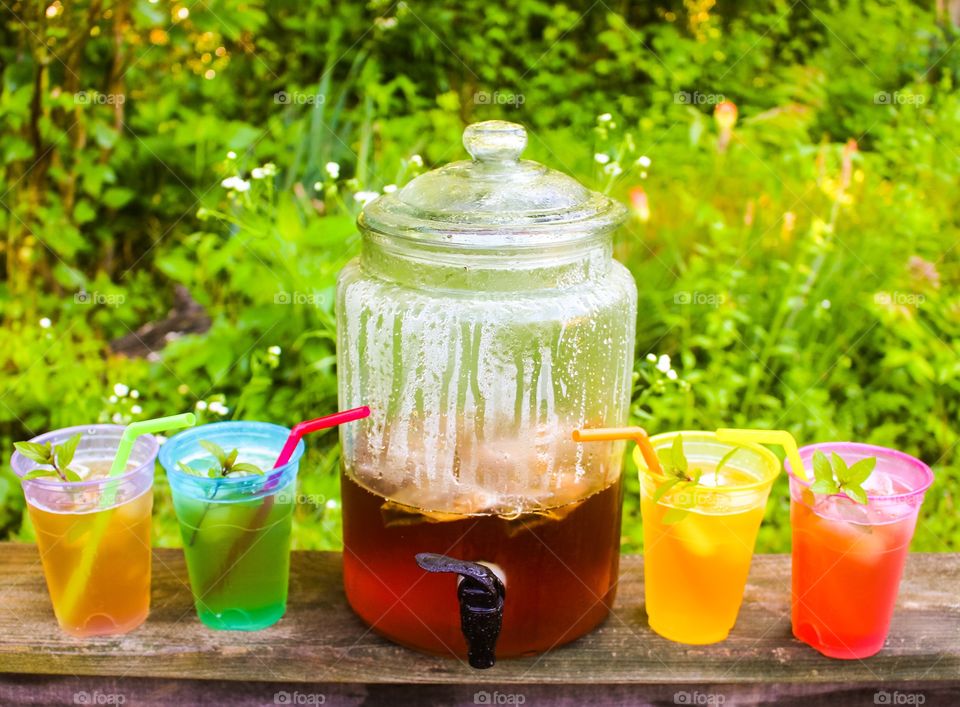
794, 279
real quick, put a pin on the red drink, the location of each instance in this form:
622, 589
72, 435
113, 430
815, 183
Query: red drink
560, 565
848, 558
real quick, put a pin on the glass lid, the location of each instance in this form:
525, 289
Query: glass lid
494, 199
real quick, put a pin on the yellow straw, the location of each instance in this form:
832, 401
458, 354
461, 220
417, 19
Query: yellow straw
609, 434
778, 437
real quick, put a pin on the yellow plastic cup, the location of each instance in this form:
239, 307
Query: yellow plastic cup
698, 540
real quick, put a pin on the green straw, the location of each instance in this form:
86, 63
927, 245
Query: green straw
129, 438
81, 574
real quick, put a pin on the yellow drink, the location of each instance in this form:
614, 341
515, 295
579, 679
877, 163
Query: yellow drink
696, 568
115, 595
94, 534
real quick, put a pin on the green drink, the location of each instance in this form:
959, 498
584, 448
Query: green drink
236, 528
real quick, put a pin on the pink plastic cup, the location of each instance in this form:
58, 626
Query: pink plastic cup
848, 558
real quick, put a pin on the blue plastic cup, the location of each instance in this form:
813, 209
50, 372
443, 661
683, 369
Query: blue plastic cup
236, 529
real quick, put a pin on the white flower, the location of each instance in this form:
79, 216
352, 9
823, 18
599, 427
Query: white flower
134, 393
235, 184
257, 173
602, 157
117, 418
416, 160
365, 197
604, 118
218, 408
663, 363
389, 189
231, 155
121, 390
318, 186
331, 504
672, 374
332, 169
652, 357
113, 398
274, 350
825, 304
136, 410
643, 161
45, 323
201, 405
269, 169
613, 169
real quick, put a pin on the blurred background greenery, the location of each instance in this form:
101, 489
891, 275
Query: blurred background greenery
180, 181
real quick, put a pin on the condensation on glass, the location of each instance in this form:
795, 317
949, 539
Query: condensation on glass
484, 320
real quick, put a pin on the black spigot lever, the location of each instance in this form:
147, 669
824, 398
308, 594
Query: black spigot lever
481, 595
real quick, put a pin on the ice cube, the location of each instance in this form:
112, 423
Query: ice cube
880, 483
692, 532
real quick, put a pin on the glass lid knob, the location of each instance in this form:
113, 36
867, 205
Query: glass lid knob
495, 141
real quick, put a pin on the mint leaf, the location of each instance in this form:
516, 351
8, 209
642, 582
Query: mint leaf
860, 472
695, 475
216, 450
674, 515
231, 458
822, 471
840, 470
827, 487
666, 461
855, 493
71, 475
253, 469
39, 474
663, 488
677, 456
213, 472
726, 457
66, 451
34, 452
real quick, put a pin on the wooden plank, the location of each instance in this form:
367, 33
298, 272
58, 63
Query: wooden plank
156, 692
320, 641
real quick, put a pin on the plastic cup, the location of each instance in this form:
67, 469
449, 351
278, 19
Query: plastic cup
236, 530
111, 594
695, 567
848, 558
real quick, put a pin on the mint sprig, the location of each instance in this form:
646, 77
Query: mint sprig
679, 476
226, 463
676, 468
833, 476
59, 458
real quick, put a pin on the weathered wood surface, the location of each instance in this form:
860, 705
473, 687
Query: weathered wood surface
321, 648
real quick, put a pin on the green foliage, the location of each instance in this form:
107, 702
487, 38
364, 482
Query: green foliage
788, 279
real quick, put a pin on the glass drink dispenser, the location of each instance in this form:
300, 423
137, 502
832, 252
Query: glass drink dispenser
483, 322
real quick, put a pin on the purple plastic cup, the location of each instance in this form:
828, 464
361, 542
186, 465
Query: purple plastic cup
848, 558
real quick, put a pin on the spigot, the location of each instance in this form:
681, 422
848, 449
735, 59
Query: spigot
481, 594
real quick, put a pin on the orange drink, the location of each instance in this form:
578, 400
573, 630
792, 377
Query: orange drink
698, 537
94, 534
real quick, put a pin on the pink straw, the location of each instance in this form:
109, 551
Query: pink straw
321, 423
